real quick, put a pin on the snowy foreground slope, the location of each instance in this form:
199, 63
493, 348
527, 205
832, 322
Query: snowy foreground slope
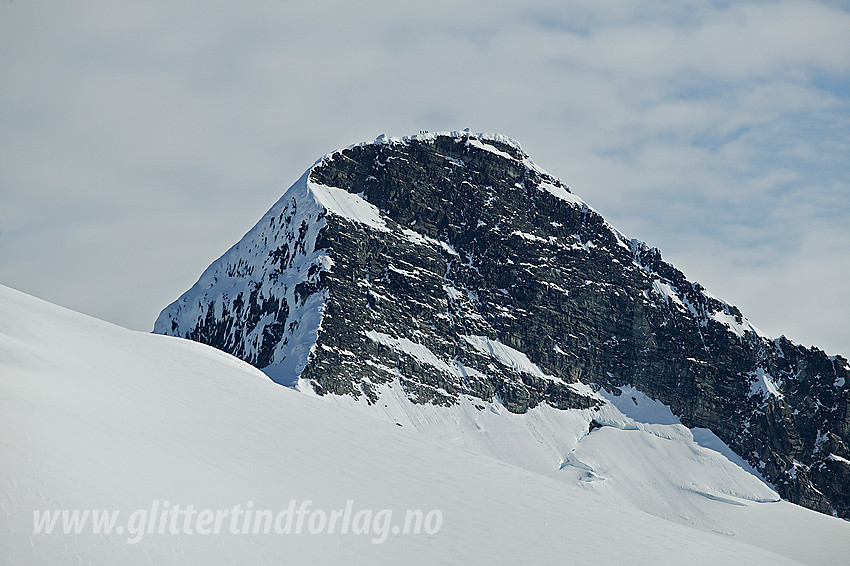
93, 416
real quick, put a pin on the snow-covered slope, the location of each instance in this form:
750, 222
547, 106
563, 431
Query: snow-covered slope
632, 448
271, 265
93, 416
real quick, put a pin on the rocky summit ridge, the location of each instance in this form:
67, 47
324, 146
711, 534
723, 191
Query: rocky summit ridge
451, 264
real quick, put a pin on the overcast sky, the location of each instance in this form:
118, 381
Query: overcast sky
139, 140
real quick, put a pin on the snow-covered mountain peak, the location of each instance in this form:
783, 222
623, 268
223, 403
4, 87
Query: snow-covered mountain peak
451, 267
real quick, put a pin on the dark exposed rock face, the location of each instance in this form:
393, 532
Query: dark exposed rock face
466, 257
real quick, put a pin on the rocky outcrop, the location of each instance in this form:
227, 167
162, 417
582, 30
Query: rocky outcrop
453, 265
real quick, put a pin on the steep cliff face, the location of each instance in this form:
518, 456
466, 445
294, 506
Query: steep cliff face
454, 266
